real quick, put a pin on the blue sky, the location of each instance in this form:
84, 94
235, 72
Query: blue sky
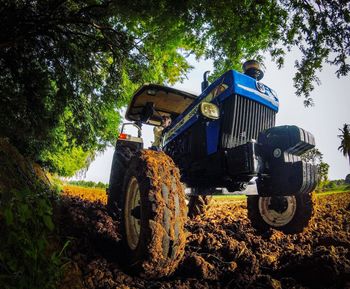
331, 111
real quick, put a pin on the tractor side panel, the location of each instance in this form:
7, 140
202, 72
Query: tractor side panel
212, 136
189, 147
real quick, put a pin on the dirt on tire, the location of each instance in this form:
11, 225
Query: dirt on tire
163, 215
222, 250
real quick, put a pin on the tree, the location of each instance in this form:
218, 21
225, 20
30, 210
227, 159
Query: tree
320, 30
58, 60
345, 141
315, 157
67, 66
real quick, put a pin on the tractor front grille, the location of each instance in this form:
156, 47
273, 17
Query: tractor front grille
243, 119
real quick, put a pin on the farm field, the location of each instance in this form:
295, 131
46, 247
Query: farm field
222, 250
85, 193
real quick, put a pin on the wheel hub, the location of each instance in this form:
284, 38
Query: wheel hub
136, 212
277, 211
132, 213
278, 204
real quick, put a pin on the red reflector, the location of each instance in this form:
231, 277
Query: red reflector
123, 136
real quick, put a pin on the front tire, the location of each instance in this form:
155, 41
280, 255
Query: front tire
289, 214
153, 215
121, 159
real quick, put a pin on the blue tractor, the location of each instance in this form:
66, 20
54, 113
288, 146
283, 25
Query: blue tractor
223, 138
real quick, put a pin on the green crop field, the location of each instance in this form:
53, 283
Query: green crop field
243, 197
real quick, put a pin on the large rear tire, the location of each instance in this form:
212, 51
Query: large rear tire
153, 215
198, 205
121, 159
289, 214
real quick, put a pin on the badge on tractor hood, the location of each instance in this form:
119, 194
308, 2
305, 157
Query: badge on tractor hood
260, 87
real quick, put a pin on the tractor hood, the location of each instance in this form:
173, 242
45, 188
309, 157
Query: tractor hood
152, 101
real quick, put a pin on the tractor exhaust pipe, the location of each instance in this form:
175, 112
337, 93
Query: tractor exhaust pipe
254, 69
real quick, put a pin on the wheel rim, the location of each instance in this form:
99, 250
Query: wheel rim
132, 213
277, 211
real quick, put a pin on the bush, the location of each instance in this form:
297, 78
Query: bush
28, 258
330, 185
88, 184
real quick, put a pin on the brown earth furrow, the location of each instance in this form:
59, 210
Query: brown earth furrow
222, 250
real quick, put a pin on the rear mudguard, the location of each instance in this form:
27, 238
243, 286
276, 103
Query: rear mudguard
281, 170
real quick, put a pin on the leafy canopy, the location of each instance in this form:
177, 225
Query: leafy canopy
67, 66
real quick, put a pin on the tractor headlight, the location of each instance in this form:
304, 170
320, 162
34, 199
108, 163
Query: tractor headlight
209, 110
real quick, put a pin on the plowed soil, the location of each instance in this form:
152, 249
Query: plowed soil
222, 250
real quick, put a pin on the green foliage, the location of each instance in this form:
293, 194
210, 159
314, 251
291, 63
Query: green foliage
336, 185
66, 162
323, 171
55, 75
27, 256
68, 66
238, 30
345, 141
28, 247
89, 184
320, 30
56, 184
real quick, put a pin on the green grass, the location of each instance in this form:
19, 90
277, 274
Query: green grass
337, 185
332, 192
224, 197
87, 184
243, 197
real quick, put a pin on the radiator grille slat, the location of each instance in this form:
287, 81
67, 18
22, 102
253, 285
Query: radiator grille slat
243, 119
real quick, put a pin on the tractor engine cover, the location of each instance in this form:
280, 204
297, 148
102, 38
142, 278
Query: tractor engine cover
282, 172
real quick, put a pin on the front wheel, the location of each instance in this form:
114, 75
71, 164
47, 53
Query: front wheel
290, 214
153, 215
121, 159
